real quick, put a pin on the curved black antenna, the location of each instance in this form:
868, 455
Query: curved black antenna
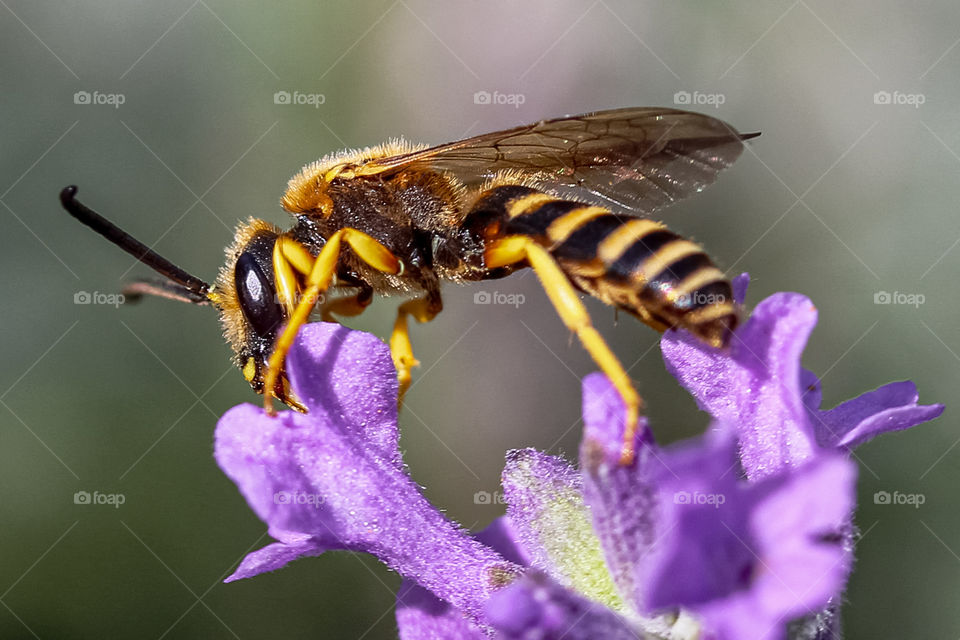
193, 285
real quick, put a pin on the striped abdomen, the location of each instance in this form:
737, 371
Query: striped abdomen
632, 263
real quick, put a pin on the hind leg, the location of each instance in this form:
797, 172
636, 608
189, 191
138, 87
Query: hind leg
514, 249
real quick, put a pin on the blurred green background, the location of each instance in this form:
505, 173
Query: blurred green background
842, 197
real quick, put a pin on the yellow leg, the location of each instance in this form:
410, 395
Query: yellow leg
318, 279
423, 310
564, 297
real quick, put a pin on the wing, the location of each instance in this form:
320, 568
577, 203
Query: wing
641, 159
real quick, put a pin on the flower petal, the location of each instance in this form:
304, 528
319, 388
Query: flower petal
760, 387
622, 499
747, 559
347, 378
811, 391
275, 556
537, 607
703, 552
421, 616
740, 284
802, 527
501, 536
892, 407
332, 478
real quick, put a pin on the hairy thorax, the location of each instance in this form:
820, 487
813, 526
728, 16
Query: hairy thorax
415, 213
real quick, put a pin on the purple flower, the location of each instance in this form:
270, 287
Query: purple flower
773, 403
334, 478
622, 549
749, 558
687, 547
678, 544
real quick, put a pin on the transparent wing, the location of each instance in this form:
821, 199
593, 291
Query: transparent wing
641, 159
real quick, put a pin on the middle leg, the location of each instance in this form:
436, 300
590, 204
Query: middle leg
423, 310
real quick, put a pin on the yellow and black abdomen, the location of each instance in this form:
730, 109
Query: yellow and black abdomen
630, 262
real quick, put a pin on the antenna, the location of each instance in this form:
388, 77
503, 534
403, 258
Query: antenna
195, 289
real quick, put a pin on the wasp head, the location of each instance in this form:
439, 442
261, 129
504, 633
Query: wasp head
250, 311
244, 293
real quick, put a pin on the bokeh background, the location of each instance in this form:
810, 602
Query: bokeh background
847, 194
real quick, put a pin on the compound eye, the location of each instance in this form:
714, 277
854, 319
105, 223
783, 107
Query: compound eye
258, 299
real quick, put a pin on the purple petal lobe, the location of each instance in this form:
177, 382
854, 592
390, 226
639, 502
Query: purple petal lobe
761, 389
275, 556
704, 551
892, 407
810, 390
332, 478
537, 607
421, 616
798, 523
756, 385
749, 558
622, 499
501, 536
740, 284
344, 377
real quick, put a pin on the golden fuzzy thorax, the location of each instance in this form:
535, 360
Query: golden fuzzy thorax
307, 190
224, 292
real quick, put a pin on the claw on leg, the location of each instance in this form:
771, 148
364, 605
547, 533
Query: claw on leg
423, 310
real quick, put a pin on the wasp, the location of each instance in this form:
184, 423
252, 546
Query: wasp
570, 198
